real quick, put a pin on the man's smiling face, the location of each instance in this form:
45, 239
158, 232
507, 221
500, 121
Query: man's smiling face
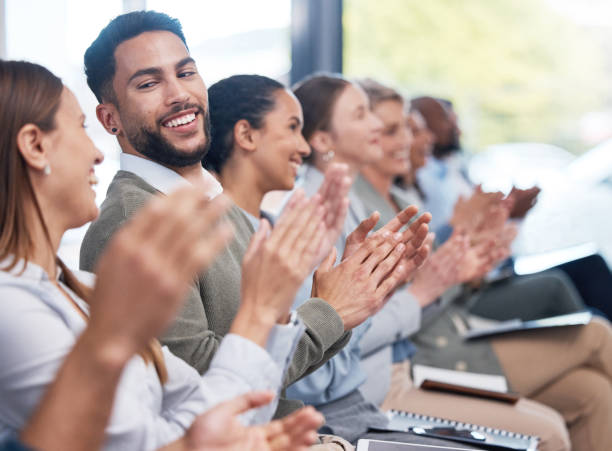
161, 99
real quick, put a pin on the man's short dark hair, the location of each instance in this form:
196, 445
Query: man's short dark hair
100, 56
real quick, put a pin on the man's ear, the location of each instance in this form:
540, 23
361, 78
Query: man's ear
31, 142
321, 142
244, 135
108, 115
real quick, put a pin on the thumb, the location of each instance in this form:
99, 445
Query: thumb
361, 232
329, 261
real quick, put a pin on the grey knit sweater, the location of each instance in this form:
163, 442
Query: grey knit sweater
214, 297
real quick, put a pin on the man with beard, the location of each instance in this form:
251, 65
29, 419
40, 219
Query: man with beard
153, 99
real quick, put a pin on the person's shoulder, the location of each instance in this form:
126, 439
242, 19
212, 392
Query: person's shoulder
243, 229
126, 194
18, 296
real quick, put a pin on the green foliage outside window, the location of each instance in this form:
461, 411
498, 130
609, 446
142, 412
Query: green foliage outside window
517, 70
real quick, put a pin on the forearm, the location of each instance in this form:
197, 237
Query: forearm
324, 337
253, 324
190, 337
337, 377
75, 410
398, 319
426, 290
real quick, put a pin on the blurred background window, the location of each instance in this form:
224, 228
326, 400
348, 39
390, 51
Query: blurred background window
520, 70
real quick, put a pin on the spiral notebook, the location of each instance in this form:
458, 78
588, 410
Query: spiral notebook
485, 437
381, 445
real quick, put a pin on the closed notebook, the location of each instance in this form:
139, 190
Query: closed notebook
479, 436
494, 387
516, 325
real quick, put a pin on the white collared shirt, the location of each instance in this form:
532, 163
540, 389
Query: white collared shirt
160, 177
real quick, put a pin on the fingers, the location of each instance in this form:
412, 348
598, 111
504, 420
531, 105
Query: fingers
386, 287
243, 403
401, 219
416, 240
335, 222
370, 244
296, 201
358, 236
333, 191
204, 236
258, 238
294, 431
301, 231
388, 263
206, 250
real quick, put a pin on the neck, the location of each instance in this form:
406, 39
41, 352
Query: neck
44, 255
381, 183
240, 183
193, 174
353, 167
410, 177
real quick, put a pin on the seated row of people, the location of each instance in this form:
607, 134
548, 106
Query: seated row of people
255, 315
443, 181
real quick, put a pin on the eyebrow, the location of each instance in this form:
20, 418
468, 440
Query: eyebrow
299, 121
157, 70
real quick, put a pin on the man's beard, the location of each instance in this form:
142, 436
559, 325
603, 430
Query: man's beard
153, 145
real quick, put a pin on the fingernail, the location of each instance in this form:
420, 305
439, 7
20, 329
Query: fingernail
397, 236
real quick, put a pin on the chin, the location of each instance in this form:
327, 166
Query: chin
285, 185
89, 214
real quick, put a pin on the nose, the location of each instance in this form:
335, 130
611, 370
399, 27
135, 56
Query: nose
176, 92
303, 146
377, 124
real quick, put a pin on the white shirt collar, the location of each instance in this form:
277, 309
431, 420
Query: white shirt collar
160, 177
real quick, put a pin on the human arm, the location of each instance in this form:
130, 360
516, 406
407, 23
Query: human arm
220, 430
121, 322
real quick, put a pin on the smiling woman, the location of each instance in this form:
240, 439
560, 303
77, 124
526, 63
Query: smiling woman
257, 144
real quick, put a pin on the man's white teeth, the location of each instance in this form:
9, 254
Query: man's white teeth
186, 119
93, 180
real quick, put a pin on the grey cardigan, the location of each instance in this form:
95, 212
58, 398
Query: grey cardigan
214, 297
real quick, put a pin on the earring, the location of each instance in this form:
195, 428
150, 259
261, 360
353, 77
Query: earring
114, 130
328, 155
47, 169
